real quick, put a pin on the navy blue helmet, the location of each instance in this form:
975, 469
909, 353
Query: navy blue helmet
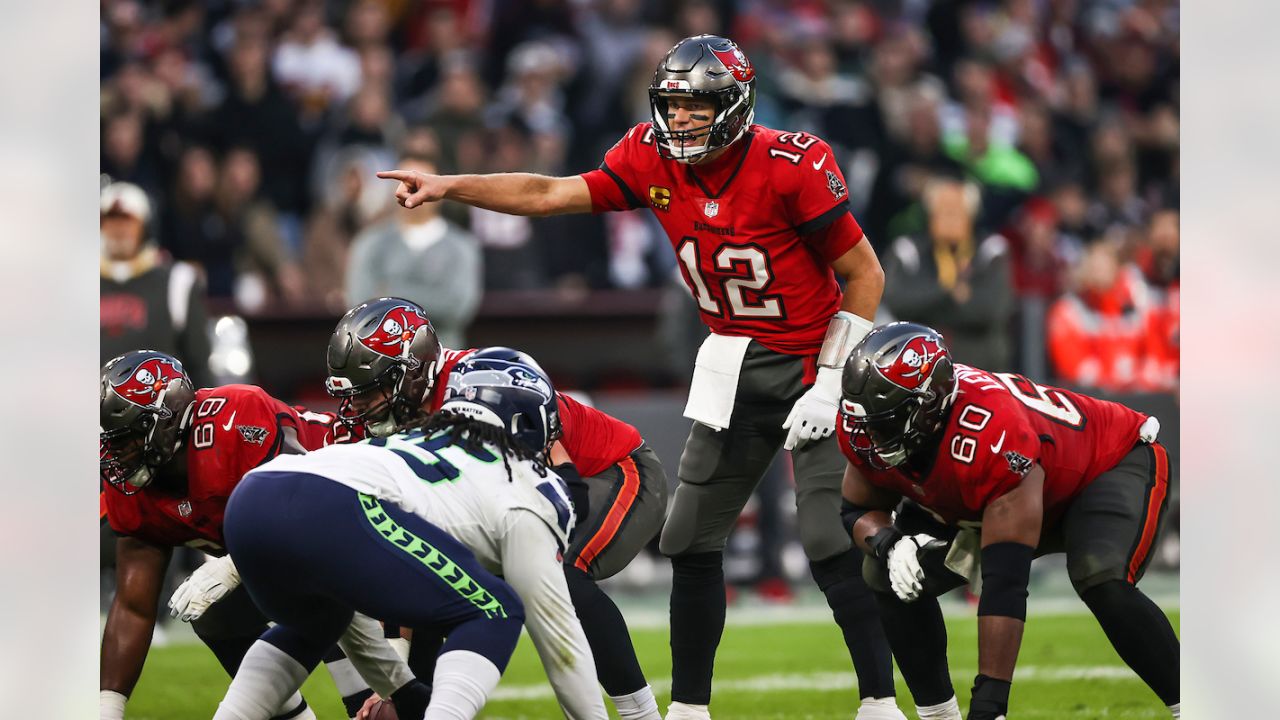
515, 396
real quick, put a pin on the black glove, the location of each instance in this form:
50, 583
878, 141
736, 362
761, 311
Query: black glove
990, 698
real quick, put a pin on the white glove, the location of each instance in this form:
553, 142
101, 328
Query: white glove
814, 415
110, 705
206, 586
905, 573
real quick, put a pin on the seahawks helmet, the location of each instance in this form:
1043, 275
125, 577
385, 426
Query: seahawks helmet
498, 352
704, 67
898, 387
514, 396
144, 404
382, 364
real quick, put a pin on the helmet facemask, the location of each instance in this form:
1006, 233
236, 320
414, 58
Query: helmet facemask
137, 438
729, 123
391, 402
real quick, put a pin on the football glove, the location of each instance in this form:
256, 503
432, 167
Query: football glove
906, 576
206, 586
813, 417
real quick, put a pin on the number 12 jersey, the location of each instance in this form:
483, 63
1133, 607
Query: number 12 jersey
748, 228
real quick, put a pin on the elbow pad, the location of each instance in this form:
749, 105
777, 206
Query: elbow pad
1006, 570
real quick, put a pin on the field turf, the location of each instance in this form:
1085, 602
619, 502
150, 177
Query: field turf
1066, 670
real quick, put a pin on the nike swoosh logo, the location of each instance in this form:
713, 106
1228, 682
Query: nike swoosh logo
817, 165
999, 444
230, 420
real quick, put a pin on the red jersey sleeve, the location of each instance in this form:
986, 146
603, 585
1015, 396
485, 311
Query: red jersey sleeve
615, 185
816, 196
234, 429
1004, 451
594, 440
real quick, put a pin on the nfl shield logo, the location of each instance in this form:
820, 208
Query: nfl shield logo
184, 508
712, 208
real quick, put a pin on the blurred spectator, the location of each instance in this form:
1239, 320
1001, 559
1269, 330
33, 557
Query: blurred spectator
144, 300
1042, 256
532, 98
312, 66
190, 227
992, 158
1117, 202
262, 265
1158, 259
420, 256
946, 279
1096, 331
256, 114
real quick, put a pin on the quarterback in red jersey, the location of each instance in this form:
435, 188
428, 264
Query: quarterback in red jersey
170, 456
616, 481
759, 220
998, 467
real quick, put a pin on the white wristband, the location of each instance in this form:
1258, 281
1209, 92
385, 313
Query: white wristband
111, 705
844, 332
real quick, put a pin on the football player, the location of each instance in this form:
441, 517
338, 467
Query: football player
170, 455
994, 469
760, 223
417, 526
616, 481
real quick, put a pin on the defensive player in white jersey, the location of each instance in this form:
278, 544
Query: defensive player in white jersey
413, 529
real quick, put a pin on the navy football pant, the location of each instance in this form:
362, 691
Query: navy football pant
311, 551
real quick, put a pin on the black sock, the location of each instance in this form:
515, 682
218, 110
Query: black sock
918, 636
854, 607
1140, 633
606, 630
411, 700
697, 622
424, 650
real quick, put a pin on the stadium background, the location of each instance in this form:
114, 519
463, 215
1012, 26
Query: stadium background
255, 129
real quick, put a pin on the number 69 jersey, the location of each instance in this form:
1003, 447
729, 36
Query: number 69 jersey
467, 494
1002, 425
233, 429
748, 228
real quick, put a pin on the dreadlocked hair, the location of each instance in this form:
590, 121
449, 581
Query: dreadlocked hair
473, 435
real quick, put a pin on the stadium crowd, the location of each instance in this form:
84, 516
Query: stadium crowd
1014, 162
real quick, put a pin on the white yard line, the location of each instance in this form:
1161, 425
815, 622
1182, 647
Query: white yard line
829, 681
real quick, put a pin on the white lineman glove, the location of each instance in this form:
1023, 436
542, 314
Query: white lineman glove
814, 415
905, 573
206, 586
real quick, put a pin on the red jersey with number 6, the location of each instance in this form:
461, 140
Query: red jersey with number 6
1002, 425
234, 428
747, 228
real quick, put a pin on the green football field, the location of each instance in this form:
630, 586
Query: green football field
766, 670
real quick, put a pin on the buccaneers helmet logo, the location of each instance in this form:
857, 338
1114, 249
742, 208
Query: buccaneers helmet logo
911, 366
736, 62
395, 332
146, 383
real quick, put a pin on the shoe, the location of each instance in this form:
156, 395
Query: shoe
681, 711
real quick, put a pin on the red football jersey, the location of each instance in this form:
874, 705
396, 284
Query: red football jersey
234, 429
745, 228
448, 360
594, 440
1002, 424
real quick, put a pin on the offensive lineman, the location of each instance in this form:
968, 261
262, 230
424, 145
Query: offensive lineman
171, 456
384, 383
761, 226
417, 525
1037, 470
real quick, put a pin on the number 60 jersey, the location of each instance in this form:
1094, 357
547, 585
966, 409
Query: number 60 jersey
1000, 426
466, 494
755, 230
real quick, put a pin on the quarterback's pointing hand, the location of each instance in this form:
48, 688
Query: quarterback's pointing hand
415, 187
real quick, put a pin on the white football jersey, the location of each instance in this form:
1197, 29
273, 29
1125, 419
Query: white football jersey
469, 496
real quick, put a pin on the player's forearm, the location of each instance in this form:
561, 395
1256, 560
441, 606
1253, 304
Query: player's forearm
530, 566
124, 648
512, 193
867, 527
999, 639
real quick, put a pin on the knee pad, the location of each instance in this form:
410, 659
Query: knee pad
1088, 571
681, 528
823, 538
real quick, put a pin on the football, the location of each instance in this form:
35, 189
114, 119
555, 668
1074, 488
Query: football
383, 710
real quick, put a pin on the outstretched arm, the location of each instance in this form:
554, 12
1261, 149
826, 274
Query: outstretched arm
511, 193
529, 564
140, 570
